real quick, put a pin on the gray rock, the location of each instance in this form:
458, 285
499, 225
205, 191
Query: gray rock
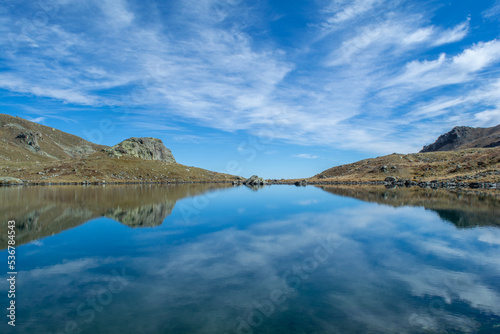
254, 180
302, 183
465, 137
390, 179
30, 140
143, 148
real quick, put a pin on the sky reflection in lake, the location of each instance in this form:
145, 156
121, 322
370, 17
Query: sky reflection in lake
279, 260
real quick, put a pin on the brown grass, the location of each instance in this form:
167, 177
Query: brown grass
421, 166
99, 167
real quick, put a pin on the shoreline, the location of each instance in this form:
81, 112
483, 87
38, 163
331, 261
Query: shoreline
389, 184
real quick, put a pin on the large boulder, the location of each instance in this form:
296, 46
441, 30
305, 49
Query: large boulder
143, 148
254, 180
30, 140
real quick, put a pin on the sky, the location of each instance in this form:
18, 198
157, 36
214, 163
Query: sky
282, 89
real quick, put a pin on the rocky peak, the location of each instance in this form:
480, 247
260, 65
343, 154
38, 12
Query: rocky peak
461, 137
146, 148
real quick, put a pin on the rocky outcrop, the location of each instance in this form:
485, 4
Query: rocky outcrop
143, 148
254, 180
462, 137
30, 140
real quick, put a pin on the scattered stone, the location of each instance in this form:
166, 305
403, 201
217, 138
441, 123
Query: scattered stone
6, 180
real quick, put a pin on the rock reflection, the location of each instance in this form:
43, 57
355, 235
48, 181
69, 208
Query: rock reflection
43, 211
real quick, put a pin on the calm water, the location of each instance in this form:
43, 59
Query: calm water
283, 259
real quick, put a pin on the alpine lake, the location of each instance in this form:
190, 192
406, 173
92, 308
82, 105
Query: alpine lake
213, 258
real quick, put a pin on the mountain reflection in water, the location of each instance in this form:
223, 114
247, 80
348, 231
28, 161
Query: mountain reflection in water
43, 211
460, 208
282, 259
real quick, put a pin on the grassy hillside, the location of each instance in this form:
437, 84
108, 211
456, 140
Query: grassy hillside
100, 167
462, 164
25, 141
39, 154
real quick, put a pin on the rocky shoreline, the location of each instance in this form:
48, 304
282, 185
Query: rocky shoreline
255, 181
398, 183
389, 182
18, 182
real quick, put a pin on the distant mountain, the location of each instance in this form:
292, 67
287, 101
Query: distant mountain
27, 141
462, 137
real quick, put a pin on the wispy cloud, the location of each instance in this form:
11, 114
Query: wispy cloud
37, 120
343, 11
305, 156
367, 75
493, 12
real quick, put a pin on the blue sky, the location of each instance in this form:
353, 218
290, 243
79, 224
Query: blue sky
277, 88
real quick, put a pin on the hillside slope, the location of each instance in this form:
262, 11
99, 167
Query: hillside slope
463, 153
460, 165
462, 137
25, 141
35, 153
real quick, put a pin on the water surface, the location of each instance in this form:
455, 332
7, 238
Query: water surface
283, 259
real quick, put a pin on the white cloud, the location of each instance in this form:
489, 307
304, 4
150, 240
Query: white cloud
347, 10
200, 61
305, 156
116, 12
479, 56
445, 70
493, 12
37, 119
453, 35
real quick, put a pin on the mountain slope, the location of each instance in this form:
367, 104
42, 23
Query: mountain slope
462, 137
36, 153
461, 154
25, 141
425, 166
